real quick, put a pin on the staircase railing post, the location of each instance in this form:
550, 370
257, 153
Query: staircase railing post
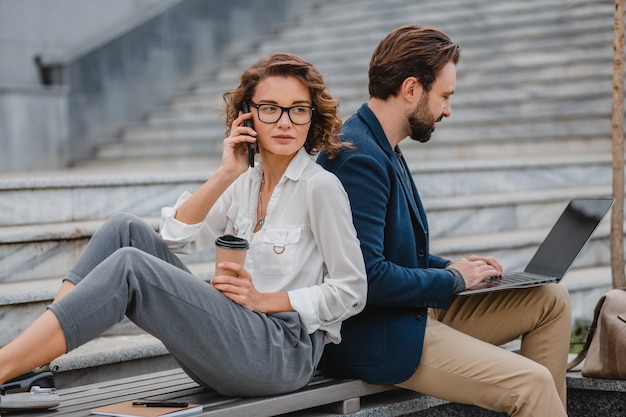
617, 215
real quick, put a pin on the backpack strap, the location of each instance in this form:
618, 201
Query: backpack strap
592, 329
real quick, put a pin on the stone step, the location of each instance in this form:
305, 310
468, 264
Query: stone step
541, 30
496, 134
515, 248
511, 231
158, 148
460, 203
562, 59
460, 18
123, 352
463, 178
556, 93
468, 16
83, 194
477, 214
500, 103
51, 247
449, 148
327, 47
557, 122
350, 63
49, 250
173, 131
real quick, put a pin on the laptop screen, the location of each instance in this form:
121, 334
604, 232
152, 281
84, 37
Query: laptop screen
568, 236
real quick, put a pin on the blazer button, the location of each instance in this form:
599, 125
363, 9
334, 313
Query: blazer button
420, 253
419, 317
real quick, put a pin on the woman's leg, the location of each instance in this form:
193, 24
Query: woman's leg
42, 342
221, 344
121, 230
66, 286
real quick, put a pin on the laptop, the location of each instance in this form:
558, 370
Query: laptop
557, 252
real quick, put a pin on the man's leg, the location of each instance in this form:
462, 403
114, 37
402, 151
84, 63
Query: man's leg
541, 315
459, 367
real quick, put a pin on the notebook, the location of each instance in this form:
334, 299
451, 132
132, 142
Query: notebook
557, 252
158, 409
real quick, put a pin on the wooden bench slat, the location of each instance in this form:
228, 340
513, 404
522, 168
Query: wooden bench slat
311, 396
150, 378
176, 385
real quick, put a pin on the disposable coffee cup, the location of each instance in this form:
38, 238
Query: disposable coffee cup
231, 249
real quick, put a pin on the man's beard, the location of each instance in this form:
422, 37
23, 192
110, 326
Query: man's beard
422, 122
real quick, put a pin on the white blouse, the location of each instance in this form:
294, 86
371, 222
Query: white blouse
306, 247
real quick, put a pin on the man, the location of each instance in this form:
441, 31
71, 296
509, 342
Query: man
414, 332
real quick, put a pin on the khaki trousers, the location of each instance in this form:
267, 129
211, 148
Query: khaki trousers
462, 362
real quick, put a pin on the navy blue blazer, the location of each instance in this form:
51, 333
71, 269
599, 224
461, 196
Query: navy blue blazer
383, 344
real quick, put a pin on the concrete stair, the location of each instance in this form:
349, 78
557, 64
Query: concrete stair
530, 130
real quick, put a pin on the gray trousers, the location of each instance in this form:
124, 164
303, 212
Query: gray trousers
126, 270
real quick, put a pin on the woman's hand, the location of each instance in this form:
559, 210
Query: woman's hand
234, 153
234, 163
241, 290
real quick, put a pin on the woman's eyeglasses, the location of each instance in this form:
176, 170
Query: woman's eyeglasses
271, 113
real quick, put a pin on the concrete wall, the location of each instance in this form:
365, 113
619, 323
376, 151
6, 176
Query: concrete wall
34, 125
117, 59
118, 81
57, 30
33, 128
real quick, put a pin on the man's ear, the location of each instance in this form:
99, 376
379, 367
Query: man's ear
411, 89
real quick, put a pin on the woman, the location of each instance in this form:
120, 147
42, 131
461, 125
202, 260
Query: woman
262, 331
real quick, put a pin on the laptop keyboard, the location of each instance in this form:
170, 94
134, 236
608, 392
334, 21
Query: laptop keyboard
520, 277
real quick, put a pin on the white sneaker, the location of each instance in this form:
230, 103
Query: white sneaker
29, 391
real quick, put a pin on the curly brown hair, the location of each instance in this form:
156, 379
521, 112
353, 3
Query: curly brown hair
325, 124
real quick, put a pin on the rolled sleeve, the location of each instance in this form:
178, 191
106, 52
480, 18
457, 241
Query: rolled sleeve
181, 237
318, 311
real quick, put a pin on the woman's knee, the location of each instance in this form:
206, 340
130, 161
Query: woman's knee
125, 220
127, 255
128, 228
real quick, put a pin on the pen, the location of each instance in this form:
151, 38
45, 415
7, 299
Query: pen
159, 404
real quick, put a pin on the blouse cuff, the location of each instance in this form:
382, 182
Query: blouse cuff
302, 303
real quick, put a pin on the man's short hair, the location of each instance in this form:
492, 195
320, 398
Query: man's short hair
409, 51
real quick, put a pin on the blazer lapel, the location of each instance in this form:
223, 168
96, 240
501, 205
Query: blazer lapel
409, 188
410, 191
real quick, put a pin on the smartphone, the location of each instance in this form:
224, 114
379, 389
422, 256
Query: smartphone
248, 123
